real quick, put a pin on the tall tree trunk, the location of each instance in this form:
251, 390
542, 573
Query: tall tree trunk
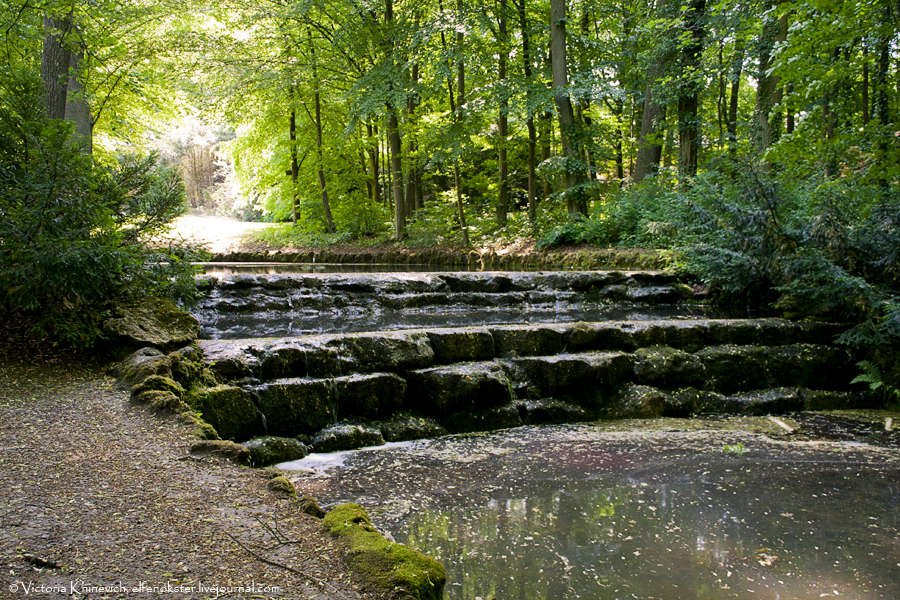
765, 128
865, 82
396, 147
55, 63
397, 175
545, 129
78, 110
295, 168
737, 66
329, 222
461, 100
649, 150
413, 194
618, 148
532, 134
372, 150
575, 202
689, 90
503, 191
789, 110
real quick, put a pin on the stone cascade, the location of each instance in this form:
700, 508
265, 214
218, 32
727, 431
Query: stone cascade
342, 390
286, 304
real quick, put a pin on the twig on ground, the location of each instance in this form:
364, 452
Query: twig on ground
273, 563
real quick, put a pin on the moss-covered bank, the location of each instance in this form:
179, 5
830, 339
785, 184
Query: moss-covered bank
381, 562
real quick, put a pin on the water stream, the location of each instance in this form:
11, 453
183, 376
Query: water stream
579, 512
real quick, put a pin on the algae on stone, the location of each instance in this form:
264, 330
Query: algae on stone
153, 322
390, 566
346, 436
230, 410
269, 450
282, 485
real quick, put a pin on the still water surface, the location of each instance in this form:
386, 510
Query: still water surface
575, 512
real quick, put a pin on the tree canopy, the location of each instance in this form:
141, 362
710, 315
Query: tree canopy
447, 121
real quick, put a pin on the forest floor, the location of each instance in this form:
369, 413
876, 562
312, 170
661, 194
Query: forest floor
97, 492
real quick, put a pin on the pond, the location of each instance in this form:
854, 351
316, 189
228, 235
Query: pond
654, 511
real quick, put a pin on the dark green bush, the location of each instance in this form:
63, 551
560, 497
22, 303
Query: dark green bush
74, 234
813, 246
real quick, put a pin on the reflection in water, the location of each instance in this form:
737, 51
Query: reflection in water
566, 512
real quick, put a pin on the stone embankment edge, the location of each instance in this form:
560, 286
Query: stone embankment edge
167, 382
610, 258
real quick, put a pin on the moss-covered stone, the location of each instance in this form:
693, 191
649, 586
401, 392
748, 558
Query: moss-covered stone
310, 506
545, 411
729, 369
153, 322
389, 351
528, 341
765, 402
462, 345
637, 402
142, 364
230, 410
662, 366
200, 429
226, 449
161, 402
158, 383
588, 379
281, 485
390, 566
831, 400
439, 391
346, 436
296, 406
491, 419
269, 450
187, 368
405, 426
369, 396
809, 365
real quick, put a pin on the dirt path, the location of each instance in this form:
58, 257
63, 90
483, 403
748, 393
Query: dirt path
106, 493
219, 234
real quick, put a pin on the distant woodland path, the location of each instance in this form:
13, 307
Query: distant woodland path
221, 235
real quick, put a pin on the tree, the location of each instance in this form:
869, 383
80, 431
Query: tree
574, 175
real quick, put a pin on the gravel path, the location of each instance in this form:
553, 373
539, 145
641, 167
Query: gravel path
98, 492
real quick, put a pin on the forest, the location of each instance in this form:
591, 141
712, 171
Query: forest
757, 142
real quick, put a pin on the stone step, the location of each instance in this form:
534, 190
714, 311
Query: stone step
652, 381
337, 354
306, 297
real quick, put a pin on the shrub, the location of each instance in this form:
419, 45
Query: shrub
74, 233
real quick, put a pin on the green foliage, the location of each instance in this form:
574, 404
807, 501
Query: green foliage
74, 232
811, 247
287, 236
871, 375
645, 216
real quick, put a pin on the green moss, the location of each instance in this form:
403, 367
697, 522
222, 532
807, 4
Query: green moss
158, 383
281, 484
383, 563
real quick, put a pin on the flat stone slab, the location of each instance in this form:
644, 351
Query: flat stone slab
336, 354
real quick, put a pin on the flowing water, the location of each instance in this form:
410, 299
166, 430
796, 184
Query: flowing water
580, 512
288, 323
